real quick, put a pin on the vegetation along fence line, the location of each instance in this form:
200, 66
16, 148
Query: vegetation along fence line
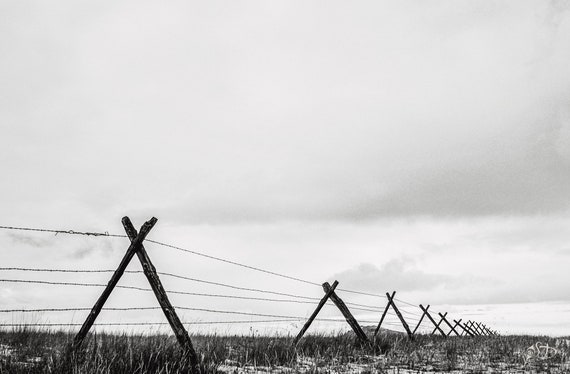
402, 310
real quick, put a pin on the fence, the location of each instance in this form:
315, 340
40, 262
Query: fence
395, 315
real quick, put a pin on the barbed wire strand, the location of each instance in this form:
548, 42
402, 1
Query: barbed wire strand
68, 232
370, 308
197, 253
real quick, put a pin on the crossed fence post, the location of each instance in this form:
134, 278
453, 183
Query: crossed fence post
400, 317
330, 294
136, 247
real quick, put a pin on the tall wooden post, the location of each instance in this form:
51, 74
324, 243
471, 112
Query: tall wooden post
346, 313
133, 248
317, 310
167, 308
136, 247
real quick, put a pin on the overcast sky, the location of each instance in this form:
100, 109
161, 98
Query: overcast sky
415, 146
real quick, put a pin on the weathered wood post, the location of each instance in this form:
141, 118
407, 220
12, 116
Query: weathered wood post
439, 323
383, 315
480, 328
471, 329
467, 331
421, 319
431, 319
448, 324
346, 313
167, 308
133, 248
454, 326
404, 323
136, 247
314, 315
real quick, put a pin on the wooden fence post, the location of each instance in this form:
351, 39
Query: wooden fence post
136, 247
383, 315
317, 310
133, 248
346, 313
167, 308
448, 324
469, 327
454, 326
431, 319
481, 328
437, 327
458, 323
421, 319
404, 323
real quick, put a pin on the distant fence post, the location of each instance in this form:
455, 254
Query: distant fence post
404, 323
383, 315
314, 315
421, 319
431, 319
330, 294
448, 324
437, 327
483, 332
454, 326
346, 313
471, 326
465, 328
400, 317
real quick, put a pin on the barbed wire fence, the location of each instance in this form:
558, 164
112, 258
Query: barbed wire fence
403, 317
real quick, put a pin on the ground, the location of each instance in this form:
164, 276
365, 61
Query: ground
28, 351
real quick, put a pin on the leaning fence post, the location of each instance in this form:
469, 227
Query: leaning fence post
167, 308
346, 313
317, 310
471, 329
448, 324
481, 328
454, 326
383, 315
439, 323
133, 248
421, 319
431, 319
467, 331
404, 323
474, 328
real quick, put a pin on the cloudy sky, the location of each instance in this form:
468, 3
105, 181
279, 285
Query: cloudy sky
404, 145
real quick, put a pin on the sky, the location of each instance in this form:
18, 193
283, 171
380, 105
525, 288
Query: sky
390, 145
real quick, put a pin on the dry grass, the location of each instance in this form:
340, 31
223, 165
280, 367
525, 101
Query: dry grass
25, 350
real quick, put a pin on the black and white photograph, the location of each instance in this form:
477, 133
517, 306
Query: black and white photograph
285, 186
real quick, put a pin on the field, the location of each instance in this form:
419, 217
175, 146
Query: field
24, 350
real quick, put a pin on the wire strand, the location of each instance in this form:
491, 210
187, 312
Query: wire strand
68, 232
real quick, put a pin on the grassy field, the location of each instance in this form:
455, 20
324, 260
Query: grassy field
25, 350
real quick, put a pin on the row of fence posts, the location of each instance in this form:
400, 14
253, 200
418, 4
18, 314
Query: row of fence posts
136, 248
470, 328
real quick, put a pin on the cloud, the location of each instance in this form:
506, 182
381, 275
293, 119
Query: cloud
383, 110
30, 240
398, 274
